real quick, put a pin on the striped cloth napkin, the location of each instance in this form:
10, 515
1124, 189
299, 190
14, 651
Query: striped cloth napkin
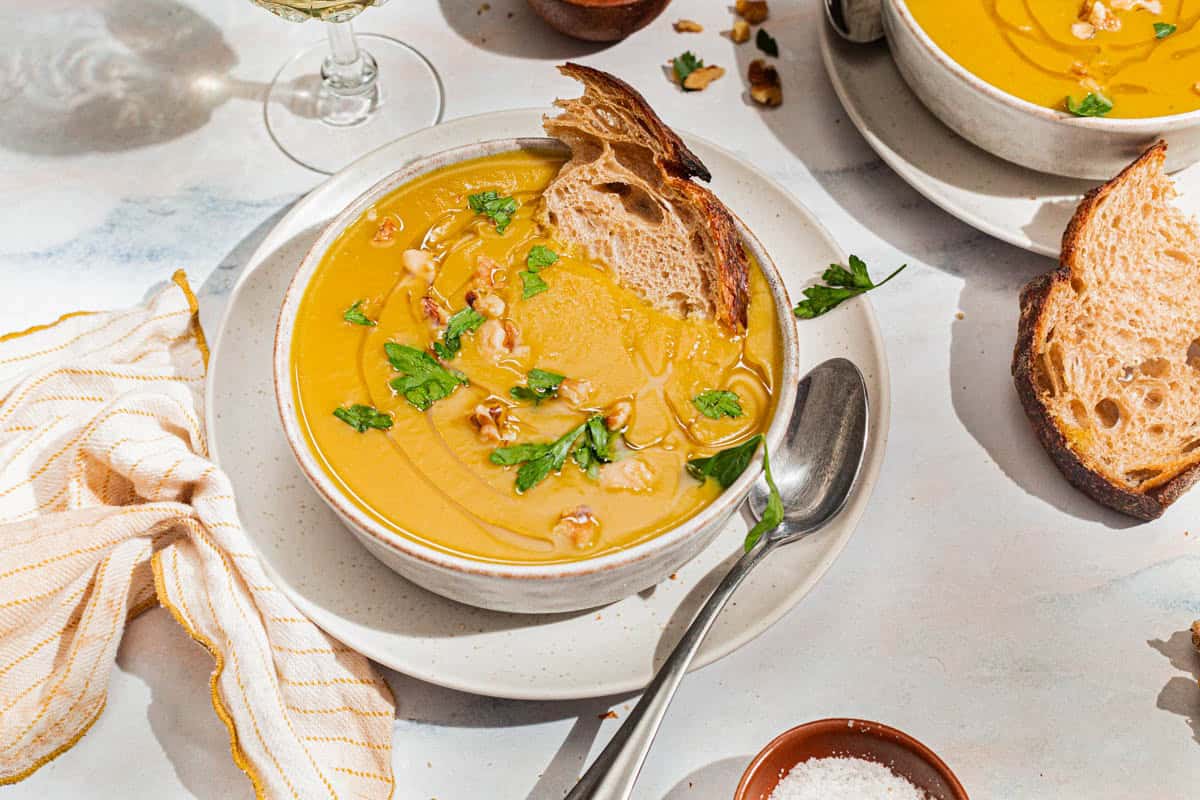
108, 506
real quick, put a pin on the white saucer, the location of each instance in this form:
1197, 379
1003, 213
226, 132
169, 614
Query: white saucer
1017, 205
361, 602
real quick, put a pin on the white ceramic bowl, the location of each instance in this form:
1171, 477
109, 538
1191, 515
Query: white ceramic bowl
503, 587
1020, 131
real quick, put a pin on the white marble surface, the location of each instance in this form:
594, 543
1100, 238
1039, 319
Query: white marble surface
1033, 639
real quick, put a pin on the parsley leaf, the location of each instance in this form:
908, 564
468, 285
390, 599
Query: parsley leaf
423, 381
685, 65
595, 448
460, 322
1163, 29
766, 42
727, 465
1094, 105
532, 284
539, 385
537, 460
361, 417
540, 256
842, 285
498, 209
773, 513
355, 314
717, 403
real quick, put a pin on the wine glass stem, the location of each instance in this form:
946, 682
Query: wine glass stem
347, 70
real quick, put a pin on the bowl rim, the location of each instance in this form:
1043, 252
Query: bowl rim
366, 524
867, 727
1160, 124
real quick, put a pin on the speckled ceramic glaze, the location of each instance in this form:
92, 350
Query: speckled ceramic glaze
523, 588
1022, 132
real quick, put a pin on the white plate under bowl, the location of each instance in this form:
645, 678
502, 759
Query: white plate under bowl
358, 600
1017, 205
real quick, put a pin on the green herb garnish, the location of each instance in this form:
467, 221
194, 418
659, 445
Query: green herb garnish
842, 285
685, 65
726, 466
717, 403
539, 459
354, 314
538, 259
498, 209
1094, 105
423, 381
773, 513
361, 417
766, 42
539, 385
531, 284
1163, 29
460, 322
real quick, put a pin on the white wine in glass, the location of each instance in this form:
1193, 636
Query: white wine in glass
336, 101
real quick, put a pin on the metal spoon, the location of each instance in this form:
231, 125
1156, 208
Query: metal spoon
815, 470
858, 21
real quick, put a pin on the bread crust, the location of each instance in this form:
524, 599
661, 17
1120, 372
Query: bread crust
1036, 299
679, 165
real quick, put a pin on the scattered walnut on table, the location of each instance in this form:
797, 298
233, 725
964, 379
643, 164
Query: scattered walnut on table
740, 32
699, 79
753, 11
765, 87
688, 26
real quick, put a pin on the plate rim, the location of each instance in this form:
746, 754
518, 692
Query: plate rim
901, 166
880, 420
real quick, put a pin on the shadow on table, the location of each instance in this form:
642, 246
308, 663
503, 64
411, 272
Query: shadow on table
511, 28
1181, 695
715, 781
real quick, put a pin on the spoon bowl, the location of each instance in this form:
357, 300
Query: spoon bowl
858, 21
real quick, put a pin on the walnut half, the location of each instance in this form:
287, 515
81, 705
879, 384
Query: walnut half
579, 526
699, 79
765, 87
753, 11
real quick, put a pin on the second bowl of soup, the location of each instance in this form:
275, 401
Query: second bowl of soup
493, 415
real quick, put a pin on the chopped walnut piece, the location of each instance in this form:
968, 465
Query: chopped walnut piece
491, 418
740, 32
630, 474
1153, 6
753, 11
434, 312
617, 415
688, 26
575, 391
1196, 88
698, 79
1196, 634
579, 525
498, 339
386, 232
1083, 30
489, 274
765, 86
1099, 16
490, 305
419, 264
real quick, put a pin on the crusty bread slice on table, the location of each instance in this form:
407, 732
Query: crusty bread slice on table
1107, 361
627, 197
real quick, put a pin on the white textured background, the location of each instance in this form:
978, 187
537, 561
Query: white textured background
1033, 639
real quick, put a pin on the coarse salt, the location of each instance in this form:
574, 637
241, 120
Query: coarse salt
844, 779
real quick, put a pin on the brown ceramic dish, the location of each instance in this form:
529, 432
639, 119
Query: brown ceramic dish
856, 738
598, 20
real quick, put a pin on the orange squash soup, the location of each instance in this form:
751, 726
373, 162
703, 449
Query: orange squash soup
474, 383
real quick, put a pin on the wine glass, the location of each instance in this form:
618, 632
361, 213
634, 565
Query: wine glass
332, 103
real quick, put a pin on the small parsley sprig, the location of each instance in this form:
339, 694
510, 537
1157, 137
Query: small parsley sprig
841, 285
361, 417
727, 466
539, 385
1163, 29
495, 207
423, 381
539, 459
354, 314
717, 403
685, 64
538, 259
773, 514
1093, 105
460, 322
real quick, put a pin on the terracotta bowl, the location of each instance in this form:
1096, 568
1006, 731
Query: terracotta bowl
598, 20
856, 738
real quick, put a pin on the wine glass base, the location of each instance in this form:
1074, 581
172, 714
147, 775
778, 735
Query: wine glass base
325, 132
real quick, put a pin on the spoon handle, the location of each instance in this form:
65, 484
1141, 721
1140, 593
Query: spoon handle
616, 769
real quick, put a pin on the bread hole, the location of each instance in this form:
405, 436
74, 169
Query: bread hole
1148, 210
1078, 285
698, 243
637, 201
1079, 411
637, 159
585, 148
553, 218
1109, 412
1137, 476
1193, 354
1126, 375
1155, 367
1116, 221
1190, 446
1153, 399
1180, 256
1157, 430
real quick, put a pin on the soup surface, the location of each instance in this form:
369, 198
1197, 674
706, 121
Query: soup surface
1143, 56
632, 370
